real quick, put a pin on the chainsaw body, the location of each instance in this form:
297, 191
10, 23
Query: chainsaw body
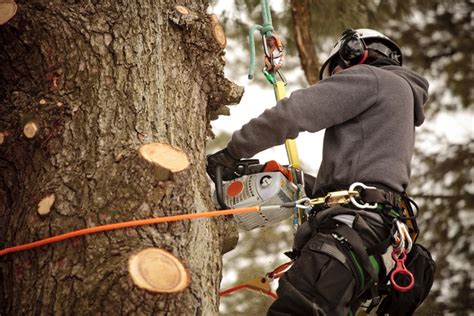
262, 188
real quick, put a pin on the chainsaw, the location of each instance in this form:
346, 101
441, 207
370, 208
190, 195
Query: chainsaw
259, 185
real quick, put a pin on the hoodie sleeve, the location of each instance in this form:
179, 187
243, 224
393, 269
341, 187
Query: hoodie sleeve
332, 101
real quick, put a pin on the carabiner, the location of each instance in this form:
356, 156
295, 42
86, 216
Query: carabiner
303, 203
404, 235
353, 200
400, 269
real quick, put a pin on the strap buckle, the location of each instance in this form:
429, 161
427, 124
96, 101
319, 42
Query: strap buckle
336, 198
354, 201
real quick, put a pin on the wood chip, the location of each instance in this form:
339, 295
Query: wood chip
165, 156
44, 206
157, 270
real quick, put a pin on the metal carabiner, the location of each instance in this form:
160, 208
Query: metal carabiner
400, 269
402, 230
304, 203
399, 244
353, 200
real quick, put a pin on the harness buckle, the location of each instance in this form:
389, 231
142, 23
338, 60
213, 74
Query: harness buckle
354, 201
335, 198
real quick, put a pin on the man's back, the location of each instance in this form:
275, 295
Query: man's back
376, 145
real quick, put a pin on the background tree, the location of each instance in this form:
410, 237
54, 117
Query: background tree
98, 80
435, 39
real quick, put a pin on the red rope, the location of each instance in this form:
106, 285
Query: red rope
246, 286
280, 270
275, 274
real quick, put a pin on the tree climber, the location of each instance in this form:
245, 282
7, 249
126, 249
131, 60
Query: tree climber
369, 106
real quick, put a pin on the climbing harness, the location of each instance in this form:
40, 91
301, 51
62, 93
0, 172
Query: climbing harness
349, 240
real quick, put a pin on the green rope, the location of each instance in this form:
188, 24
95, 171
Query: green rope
267, 18
265, 30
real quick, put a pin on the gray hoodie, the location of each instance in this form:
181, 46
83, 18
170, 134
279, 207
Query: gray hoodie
369, 114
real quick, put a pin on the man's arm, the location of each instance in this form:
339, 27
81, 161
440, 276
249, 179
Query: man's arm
333, 101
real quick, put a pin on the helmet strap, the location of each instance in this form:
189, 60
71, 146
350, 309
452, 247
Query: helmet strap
366, 54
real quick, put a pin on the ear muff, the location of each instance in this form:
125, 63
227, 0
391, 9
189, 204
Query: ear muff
353, 49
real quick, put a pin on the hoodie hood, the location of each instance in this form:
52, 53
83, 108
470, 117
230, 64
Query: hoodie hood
419, 86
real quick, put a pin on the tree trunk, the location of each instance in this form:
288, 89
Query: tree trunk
99, 79
301, 13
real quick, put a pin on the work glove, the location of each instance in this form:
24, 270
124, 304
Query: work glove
222, 158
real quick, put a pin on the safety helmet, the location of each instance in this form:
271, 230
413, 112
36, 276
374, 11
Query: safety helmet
353, 48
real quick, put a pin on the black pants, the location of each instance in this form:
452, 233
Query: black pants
320, 282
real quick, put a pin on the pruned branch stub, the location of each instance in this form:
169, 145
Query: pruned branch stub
218, 31
165, 156
7, 10
30, 129
157, 270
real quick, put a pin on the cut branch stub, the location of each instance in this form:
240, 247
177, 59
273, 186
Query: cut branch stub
44, 206
7, 10
159, 271
165, 156
183, 16
218, 31
31, 129
3, 136
181, 9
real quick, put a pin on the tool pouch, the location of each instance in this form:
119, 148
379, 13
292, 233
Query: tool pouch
420, 263
302, 236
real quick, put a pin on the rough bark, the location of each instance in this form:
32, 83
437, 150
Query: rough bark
301, 12
102, 78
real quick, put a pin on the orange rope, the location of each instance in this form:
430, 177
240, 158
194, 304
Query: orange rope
134, 223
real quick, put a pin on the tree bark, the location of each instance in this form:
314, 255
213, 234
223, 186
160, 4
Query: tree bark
101, 79
301, 12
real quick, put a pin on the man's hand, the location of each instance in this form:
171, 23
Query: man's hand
224, 159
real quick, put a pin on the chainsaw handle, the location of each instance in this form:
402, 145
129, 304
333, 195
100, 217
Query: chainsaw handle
220, 187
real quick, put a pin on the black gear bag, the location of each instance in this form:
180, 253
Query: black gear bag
420, 263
